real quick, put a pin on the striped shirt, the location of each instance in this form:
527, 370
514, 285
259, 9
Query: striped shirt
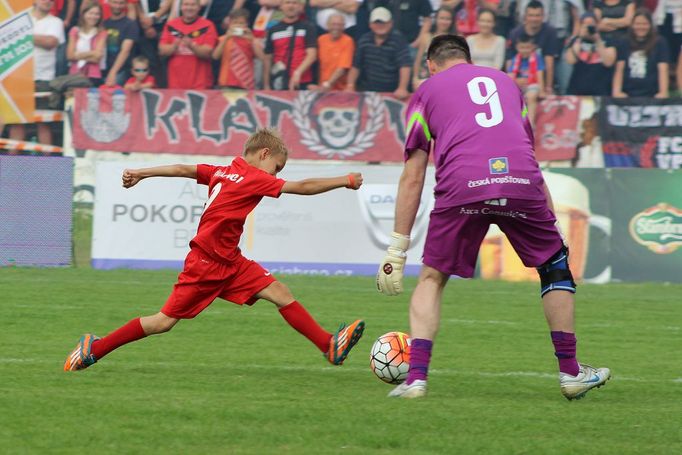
379, 65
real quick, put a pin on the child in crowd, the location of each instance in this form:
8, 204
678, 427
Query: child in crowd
140, 78
528, 71
236, 50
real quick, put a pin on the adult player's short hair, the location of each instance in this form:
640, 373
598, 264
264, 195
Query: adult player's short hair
448, 47
265, 138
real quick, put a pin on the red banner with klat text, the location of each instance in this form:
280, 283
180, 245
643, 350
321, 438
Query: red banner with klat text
337, 125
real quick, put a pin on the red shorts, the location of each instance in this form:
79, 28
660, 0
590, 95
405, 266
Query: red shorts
203, 280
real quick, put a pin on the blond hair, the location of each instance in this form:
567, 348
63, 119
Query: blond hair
265, 138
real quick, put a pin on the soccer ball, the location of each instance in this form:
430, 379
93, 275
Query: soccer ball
390, 357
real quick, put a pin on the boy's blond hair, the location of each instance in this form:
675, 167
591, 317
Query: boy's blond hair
265, 138
141, 59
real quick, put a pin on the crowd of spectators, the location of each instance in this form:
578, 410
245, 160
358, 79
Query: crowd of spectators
620, 48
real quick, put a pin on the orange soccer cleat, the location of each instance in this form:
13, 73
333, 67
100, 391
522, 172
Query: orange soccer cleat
81, 358
343, 341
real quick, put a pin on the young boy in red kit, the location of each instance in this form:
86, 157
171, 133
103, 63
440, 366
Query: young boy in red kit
215, 266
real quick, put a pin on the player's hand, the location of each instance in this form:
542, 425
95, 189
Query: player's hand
130, 178
354, 180
390, 274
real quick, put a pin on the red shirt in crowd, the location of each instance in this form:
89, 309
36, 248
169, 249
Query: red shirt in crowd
146, 80
185, 69
234, 191
277, 43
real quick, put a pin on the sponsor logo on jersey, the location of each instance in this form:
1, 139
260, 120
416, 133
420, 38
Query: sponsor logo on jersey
659, 228
498, 165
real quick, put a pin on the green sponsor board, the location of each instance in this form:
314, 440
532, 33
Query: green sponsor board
646, 206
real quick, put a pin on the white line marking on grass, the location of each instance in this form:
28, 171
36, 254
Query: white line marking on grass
347, 369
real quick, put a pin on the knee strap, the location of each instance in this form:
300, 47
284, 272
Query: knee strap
555, 274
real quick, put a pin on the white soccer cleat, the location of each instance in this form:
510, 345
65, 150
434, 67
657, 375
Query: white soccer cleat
415, 390
575, 387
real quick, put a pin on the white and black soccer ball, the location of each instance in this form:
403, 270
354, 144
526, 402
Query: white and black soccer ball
390, 357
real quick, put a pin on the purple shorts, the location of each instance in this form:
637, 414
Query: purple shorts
455, 233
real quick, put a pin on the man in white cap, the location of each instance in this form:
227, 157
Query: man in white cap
382, 59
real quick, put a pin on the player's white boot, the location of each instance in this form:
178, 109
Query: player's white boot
415, 390
575, 387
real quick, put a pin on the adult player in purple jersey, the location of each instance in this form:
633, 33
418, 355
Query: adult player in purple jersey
486, 173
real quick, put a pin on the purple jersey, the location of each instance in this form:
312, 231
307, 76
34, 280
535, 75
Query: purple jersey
482, 141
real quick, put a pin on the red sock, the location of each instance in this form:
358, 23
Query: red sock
299, 318
130, 332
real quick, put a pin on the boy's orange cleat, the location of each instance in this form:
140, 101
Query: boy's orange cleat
81, 358
343, 341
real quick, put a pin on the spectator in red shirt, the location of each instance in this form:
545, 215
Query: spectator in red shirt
188, 41
141, 78
287, 64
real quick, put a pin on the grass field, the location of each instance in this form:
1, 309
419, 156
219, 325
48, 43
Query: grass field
239, 381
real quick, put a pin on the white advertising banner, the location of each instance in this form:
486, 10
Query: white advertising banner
341, 232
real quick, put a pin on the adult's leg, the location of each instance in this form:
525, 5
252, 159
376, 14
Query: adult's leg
424, 321
44, 133
559, 308
425, 303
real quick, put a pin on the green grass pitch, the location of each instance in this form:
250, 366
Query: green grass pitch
240, 381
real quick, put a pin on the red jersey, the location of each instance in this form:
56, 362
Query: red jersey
149, 78
234, 191
185, 69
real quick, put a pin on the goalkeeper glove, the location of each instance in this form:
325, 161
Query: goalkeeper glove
390, 274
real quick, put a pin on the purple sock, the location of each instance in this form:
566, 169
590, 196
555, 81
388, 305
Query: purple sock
564, 350
420, 356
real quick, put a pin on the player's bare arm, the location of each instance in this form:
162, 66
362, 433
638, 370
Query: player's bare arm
312, 186
389, 278
409, 191
132, 176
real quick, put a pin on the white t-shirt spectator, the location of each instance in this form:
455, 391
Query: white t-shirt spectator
45, 61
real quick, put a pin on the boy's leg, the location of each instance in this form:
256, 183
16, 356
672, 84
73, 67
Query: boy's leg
296, 315
90, 348
335, 346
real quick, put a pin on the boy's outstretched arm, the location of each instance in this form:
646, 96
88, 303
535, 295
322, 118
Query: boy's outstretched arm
322, 185
132, 176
